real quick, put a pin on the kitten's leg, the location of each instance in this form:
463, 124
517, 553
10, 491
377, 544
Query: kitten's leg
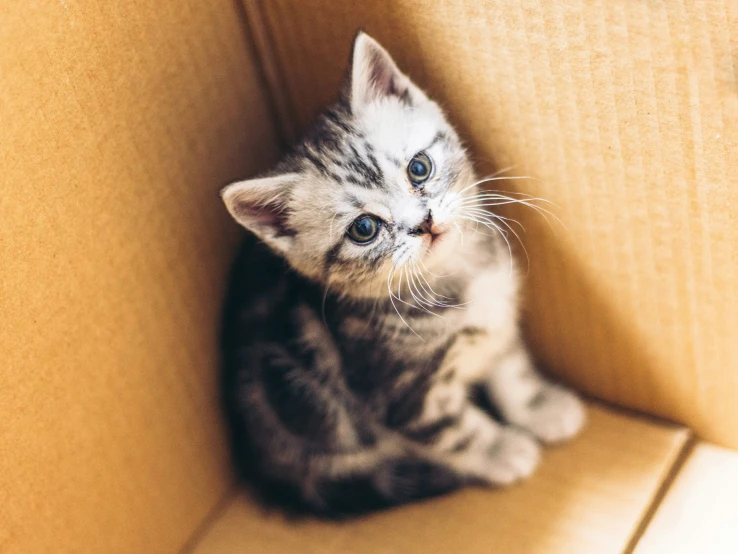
457, 433
550, 412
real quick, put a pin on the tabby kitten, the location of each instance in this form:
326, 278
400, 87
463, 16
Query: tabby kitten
371, 306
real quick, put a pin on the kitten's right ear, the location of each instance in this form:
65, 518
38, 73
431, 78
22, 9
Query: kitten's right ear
374, 75
260, 205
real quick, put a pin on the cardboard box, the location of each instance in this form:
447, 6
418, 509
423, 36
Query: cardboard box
119, 122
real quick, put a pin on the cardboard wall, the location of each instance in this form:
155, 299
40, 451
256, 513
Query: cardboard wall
119, 122
626, 113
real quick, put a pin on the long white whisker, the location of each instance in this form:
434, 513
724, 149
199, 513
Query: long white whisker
493, 178
429, 290
434, 274
429, 299
461, 231
420, 301
487, 213
418, 295
489, 197
504, 221
485, 218
490, 224
474, 202
398, 296
500, 192
391, 295
322, 307
433, 294
331, 225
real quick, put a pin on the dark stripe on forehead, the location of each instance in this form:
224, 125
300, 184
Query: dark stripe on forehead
440, 136
372, 177
392, 159
355, 202
315, 160
320, 165
355, 180
372, 158
338, 121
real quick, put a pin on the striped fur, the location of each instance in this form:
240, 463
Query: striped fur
348, 366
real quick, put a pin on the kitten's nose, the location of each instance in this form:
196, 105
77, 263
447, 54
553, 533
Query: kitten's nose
425, 227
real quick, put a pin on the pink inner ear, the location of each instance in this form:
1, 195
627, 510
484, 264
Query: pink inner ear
269, 217
382, 74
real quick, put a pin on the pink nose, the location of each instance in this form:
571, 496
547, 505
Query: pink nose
426, 226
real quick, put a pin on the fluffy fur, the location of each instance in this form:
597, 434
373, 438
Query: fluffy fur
348, 366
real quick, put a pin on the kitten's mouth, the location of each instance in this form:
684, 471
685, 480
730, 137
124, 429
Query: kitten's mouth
436, 234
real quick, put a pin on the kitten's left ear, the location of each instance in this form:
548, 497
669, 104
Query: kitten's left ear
374, 75
260, 205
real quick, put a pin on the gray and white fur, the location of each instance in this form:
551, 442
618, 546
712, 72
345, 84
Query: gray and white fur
349, 363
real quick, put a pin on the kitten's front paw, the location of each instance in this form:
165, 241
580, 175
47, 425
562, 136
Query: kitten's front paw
554, 415
512, 457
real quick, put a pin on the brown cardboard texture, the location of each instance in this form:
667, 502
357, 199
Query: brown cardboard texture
119, 123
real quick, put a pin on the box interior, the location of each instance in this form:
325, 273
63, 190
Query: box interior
120, 124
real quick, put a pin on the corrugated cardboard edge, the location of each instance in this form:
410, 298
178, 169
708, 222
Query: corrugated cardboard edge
698, 512
257, 32
670, 476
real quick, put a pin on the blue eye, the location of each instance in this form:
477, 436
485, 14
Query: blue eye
419, 169
364, 229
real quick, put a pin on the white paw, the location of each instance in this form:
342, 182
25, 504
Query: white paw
555, 415
512, 457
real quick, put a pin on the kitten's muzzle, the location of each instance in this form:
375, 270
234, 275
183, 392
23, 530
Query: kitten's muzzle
427, 227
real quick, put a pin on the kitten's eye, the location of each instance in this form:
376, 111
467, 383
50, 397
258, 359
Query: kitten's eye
364, 229
419, 169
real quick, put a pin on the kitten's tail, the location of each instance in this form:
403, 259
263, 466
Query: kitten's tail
393, 481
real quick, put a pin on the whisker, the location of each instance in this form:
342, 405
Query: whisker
420, 298
487, 201
490, 224
322, 307
429, 299
437, 295
487, 213
505, 221
331, 225
391, 295
429, 290
435, 274
488, 197
493, 178
461, 232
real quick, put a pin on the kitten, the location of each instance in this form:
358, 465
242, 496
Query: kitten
371, 305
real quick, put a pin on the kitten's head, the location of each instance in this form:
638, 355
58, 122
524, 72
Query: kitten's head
376, 185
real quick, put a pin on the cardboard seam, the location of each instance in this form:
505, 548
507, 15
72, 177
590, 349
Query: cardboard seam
664, 487
261, 41
209, 521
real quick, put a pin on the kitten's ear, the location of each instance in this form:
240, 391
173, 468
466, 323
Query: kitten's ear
374, 75
260, 206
